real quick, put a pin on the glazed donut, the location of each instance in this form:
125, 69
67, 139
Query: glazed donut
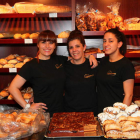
111, 110
133, 119
131, 135
120, 105
112, 127
114, 134
131, 109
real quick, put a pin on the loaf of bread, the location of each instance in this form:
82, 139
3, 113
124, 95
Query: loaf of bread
26, 7
6, 9
52, 9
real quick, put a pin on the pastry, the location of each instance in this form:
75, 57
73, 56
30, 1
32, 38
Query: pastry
33, 36
8, 66
19, 65
10, 97
1, 35
4, 93
108, 122
27, 96
19, 58
131, 109
120, 105
131, 135
3, 61
114, 134
27, 59
17, 36
1, 66
111, 110
134, 119
25, 36
13, 61
10, 57
109, 127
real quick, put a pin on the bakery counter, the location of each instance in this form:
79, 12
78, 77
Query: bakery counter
76, 138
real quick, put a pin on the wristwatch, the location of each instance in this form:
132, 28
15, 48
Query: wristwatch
27, 106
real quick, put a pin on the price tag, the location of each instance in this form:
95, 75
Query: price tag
59, 40
28, 41
52, 15
100, 55
12, 70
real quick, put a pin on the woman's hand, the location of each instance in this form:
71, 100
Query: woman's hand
93, 61
38, 106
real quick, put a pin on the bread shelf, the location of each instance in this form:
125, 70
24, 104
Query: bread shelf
137, 80
27, 41
9, 70
132, 55
101, 33
6, 101
25, 15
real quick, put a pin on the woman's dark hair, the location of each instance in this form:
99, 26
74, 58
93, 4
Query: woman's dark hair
75, 34
47, 35
120, 37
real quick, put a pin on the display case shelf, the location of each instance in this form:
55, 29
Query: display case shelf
137, 80
27, 41
101, 33
6, 101
132, 55
25, 15
9, 70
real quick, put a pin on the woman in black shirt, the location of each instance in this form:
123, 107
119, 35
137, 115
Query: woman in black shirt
80, 87
115, 75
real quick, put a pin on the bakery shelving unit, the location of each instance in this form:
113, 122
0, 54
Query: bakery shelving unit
22, 23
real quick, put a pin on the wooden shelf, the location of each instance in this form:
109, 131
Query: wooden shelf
137, 80
6, 101
25, 15
101, 33
132, 55
27, 41
9, 70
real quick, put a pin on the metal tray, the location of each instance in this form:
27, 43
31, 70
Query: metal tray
98, 134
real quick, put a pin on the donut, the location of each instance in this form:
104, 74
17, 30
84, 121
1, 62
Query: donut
111, 110
120, 105
114, 134
112, 127
131, 109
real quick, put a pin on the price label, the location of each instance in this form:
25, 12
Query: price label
59, 40
100, 55
12, 70
52, 15
28, 41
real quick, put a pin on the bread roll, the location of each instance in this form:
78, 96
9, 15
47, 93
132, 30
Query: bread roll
33, 36
1, 35
64, 34
13, 61
52, 9
26, 7
8, 66
19, 65
10, 57
17, 36
25, 36
3, 61
27, 96
10, 97
4, 93
1, 66
27, 59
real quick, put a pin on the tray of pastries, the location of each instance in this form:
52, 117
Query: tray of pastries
120, 121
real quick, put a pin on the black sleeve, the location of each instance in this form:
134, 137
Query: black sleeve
25, 71
128, 72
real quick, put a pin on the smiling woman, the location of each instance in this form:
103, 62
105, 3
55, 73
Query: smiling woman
115, 76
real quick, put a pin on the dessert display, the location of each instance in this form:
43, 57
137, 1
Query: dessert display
72, 124
121, 121
14, 61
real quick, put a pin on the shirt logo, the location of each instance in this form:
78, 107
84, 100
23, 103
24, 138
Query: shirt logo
111, 73
58, 66
88, 75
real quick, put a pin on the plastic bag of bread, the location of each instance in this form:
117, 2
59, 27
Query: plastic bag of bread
80, 18
4, 9
101, 22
